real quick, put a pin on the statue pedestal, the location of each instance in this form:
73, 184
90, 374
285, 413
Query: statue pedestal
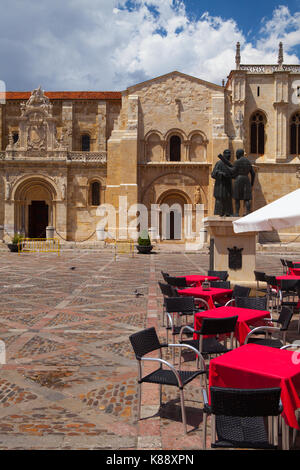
232, 252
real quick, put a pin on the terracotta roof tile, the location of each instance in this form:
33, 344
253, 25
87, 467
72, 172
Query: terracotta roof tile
67, 95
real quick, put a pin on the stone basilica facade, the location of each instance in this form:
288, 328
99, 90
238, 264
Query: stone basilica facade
64, 153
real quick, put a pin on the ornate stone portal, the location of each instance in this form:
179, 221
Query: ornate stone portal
37, 127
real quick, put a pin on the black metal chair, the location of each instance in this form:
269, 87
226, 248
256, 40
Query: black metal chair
272, 292
260, 277
223, 275
165, 275
289, 295
213, 327
167, 291
284, 265
145, 342
289, 264
179, 282
283, 322
255, 303
181, 306
220, 284
238, 291
238, 417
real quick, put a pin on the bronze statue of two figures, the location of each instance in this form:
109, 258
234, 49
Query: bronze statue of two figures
223, 173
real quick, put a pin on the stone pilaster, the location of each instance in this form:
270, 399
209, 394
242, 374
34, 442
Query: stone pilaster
67, 119
101, 126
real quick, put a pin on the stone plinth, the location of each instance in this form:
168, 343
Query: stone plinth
221, 230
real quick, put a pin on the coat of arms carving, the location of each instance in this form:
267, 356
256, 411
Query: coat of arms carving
235, 258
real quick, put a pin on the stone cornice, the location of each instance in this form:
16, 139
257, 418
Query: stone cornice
175, 164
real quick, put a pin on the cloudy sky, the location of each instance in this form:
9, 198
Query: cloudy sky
112, 44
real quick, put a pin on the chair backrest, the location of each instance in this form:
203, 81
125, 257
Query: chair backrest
288, 285
214, 326
220, 284
289, 263
144, 342
223, 275
283, 262
166, 289
241, 291
244, 402
177, 281
165, 275
285, 317
260, 276
271, 280
255, 303
180, 305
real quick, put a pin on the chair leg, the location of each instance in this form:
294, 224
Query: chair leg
160, 395
270, 428
180, 356
213, 429
275, 430
285, 436
139, 400
183, 414
204, 430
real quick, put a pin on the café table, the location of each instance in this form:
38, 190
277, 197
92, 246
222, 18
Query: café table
294, 271
246, 318
197, 279
210, 295
254, 366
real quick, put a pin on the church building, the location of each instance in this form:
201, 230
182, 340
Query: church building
62, 154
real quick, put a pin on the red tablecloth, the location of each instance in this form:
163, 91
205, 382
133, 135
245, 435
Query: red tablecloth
198, 279
246, 317
294, 271
208, 295
254, 366
288, 277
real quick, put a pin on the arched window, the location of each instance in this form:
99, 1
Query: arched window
15, 137
175, 149
257, 134
95, 193
295, 134
85, 143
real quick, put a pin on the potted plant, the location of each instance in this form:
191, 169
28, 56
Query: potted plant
144, 243
14, 245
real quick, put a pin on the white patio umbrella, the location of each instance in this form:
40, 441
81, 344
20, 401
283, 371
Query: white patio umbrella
282, 213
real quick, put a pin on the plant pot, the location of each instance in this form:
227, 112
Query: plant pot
144, 249
13, 247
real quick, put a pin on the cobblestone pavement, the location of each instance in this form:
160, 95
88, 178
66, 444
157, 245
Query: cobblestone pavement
69, 381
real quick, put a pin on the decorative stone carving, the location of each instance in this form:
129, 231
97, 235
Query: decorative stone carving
239, 125
37, 129
63, 191
197, 196
7, 190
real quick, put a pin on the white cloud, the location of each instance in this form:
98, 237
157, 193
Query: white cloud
111, 44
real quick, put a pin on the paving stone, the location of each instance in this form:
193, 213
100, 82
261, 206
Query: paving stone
70, 377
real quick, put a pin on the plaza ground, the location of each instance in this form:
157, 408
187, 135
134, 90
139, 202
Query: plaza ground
69, 381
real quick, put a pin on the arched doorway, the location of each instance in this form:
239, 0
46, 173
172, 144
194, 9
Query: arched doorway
171, 217
34, 208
